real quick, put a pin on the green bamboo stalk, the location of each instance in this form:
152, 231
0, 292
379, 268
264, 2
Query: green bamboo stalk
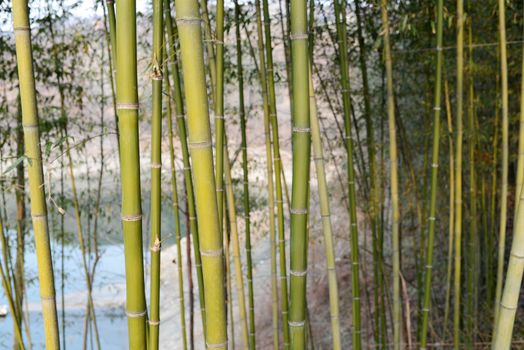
458, 174
36, 182
340, 15
284, 308
171, 31
520, 158
219, 108
127, 106
176, 210
434, 179
451, 205
210, 49
269, 168
156, 167
397, 311
188, 21
229, 289
111, 48
318, 157
236, 250
301, 157
505, 157
245, 178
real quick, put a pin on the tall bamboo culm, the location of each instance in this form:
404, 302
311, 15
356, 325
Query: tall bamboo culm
156, 168
171, 31
176, 211
434, 179
301, 139
458, 175
505, 158
325, 214
269, 168
24, 57
245, 178
127, 107
219, 108
397, 307
190, 33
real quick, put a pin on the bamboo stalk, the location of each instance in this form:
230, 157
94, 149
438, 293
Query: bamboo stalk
156, 167
127, 106
245, 178
397, 308
188, 21
318, 158
434, 179
269, 168
36, 183
301, 139
219, 108
458, 175
171, 31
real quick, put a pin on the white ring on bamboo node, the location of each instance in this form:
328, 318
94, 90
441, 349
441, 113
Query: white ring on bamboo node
517, 256
192, 218
426, 309
188, 21
439, 48
38, 216
181, 116
219, 42
156, 165
47, 299
199, 144
356, 298
302, 130
186, 168
198, 265
434, 165
316, 159
355, 263
131, 217
299, 211
354, 224
298, 273
220, 116
436, 108
298, 36
217, 346
21, 29
276, 158
127, 105
135, 314
507, 307
296, 323
331, 268
30, 127
325, 215
431, 218
220, 189
272, 115
281, 241
211, 253
429, 266
153, 323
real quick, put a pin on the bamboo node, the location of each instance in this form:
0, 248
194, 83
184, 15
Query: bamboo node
156, 165
156, 246
211, 253
296, 323
298, 36
507, 307
217, 345
426, 309
192, 218
220, 116
331, 268
516, 256
298, 211
429, 266
299, 129
220, 189
434, 165
181, 116
298, 273
199, 144
135, 314
39, 216
153, 323
32, 127
436, 108
188, 21
431, 218
21, 29
126, 105
131, 217
325, 215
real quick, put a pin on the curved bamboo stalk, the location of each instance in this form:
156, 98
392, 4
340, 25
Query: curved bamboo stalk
36, 183
505, 157
188, 22
318, 158
397, 308
301, 139
458, 175
245, 177
434, 180
127, 106
156, 167
182, 133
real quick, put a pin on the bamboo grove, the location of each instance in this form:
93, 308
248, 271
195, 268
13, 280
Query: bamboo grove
286, 174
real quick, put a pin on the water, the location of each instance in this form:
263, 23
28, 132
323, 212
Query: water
108, 295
